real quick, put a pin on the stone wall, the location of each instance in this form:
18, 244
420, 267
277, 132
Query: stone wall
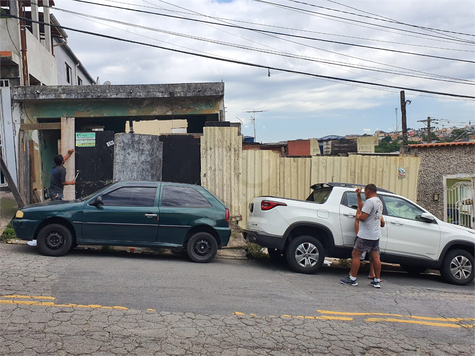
438, 161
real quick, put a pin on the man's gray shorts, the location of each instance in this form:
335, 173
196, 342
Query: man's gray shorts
364, 245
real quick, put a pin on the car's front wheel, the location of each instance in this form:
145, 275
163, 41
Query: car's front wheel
54, 240
457, 267
305, 254
202, 247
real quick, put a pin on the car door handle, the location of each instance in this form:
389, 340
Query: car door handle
350, 215
151, 215
396, 223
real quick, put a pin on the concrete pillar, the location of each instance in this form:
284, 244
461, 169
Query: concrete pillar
137, 157
35, 17
68, 139
46, 16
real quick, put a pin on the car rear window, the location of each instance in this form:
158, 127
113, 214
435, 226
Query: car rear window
184, 197
320, 196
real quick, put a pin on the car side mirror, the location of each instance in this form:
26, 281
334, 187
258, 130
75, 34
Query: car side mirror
97, 202
427, 217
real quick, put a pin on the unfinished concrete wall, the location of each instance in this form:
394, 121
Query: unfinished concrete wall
437, 161
137, 157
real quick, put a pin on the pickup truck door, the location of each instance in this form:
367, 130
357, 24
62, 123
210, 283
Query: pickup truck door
349, 203
408, 235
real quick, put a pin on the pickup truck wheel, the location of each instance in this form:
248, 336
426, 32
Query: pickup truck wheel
54, 240
457, 267
305, 254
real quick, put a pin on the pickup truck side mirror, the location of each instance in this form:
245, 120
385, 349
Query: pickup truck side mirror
426, 217
97, 202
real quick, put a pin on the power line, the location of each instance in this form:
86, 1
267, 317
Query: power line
379, 17
266, 67
353, 20
293, 29
279, 33
426, 76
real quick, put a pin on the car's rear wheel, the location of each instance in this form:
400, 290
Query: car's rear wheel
457, 267
305, 254
54, 240
202, 247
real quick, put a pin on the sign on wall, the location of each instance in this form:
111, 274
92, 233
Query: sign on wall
85, 139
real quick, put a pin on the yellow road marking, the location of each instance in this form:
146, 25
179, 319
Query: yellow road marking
355, 314
28, 297
445, 325
12, 300
421, 320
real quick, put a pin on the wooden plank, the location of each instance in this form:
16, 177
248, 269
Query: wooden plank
41, 126
11, 184
68, 139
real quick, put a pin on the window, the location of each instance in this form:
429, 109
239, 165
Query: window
401, 208
183, 197
350, 199
69, 73
319, 196
131, 196
79, 81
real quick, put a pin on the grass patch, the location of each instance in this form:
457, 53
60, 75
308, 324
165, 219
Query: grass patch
255, 252
8, 234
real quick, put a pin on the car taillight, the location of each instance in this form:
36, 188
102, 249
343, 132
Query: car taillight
227, 215
268, 205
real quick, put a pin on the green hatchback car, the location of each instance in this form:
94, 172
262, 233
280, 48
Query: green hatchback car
135, 214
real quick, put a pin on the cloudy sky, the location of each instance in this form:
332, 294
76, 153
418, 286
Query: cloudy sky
302, 69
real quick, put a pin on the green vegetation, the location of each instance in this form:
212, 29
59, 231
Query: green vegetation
255, 252
8, 234
387, 145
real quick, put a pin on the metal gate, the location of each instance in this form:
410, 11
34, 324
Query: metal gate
460, 209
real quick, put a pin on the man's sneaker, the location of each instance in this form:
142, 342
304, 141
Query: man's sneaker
375, 284
31, 243
349, 281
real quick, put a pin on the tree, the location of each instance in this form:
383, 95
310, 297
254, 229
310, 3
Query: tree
457, 134
387, 145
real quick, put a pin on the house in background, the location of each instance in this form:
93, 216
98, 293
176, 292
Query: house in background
40, 55
31, 54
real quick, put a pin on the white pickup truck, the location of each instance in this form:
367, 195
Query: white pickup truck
306, 232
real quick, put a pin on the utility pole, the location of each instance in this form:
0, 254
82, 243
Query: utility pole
403, 118
395, 109
253, 119
24, 58
429, 120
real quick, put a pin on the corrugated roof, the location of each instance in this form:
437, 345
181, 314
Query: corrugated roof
444, 144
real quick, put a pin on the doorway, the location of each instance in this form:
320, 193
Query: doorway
459, 194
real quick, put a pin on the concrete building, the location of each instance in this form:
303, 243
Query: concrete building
31, 54
87, 118
34, 54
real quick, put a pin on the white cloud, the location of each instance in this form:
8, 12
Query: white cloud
295, 106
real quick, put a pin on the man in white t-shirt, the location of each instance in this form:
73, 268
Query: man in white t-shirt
370, 222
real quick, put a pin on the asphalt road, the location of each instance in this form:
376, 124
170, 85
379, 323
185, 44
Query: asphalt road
235, 307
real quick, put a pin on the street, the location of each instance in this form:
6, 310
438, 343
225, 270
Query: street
93, 302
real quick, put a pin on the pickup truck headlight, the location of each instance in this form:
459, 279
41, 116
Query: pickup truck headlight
19, 214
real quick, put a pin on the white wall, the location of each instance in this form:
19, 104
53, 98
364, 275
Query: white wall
62, 57
41, 63
9, 31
